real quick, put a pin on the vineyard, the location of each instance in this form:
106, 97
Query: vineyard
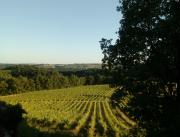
81, 111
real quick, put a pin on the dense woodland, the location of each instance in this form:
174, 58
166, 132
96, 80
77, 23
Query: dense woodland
24, 78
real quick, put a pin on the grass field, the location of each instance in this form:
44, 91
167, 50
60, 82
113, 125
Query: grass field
80, 111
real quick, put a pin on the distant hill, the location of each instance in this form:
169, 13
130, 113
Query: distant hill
69, 67
62, 67
3, 66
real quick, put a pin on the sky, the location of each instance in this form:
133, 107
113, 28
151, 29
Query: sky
56, 31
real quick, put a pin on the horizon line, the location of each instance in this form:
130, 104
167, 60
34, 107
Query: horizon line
49, 63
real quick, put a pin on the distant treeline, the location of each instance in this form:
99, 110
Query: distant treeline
23, 78
61, 67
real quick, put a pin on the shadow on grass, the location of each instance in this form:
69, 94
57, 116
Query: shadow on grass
42, 128
10, 117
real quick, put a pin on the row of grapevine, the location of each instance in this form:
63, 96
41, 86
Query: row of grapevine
84, 111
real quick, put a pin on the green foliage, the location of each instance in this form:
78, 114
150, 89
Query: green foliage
91, 76
22, 78
90, 80
3, 87
75, 81
4, 74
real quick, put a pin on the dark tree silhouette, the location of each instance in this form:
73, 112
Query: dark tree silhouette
144, 61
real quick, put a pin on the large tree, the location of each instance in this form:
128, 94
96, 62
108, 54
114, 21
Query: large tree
144, 62
147, 50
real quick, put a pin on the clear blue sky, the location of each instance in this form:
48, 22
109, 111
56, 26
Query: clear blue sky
55, 31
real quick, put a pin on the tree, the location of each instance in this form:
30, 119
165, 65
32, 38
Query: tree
74, 81
3, 87
144, 61
90, 80
13, 85
25, 84
147, 49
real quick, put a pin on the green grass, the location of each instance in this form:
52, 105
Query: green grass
78, 111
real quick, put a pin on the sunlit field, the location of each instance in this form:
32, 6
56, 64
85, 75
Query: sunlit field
79, 111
